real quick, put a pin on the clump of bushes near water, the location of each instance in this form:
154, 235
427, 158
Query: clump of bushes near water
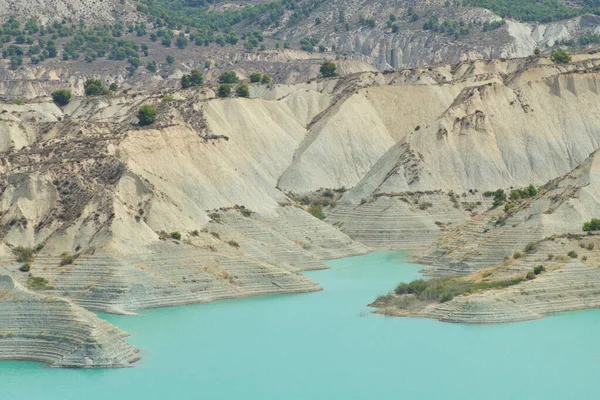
439, 290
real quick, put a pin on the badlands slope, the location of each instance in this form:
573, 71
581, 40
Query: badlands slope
416, 148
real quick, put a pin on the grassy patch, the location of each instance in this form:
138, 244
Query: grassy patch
38, 283
439, 290
24, 254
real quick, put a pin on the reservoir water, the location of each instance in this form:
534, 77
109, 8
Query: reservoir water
328, 346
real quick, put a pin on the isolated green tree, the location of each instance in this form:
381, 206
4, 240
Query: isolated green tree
94, 87
255, 77
560, 57
146, 115
242, 90
224, 90
228, 78
328, 69
61, 97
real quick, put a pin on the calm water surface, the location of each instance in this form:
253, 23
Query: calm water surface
326, 345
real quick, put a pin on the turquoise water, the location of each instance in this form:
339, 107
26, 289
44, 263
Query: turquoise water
326, 345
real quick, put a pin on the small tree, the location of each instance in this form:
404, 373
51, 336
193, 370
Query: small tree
592, 225
94, 87
151, 66
228, 78
255, 77
195, 78
61, 97
146, 115
242, 90
170, 59
328, 69
224, 90
266, 79
560, 57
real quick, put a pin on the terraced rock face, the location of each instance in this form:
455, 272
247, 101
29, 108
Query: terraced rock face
560, 207
37, 327
203, 205
568, 282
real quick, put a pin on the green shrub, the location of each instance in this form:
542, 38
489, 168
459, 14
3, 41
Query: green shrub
539, 269
38, 283
572, 254
114, 86
61, 97
560, 57
25, 267
316, 210
167, 98
265, 79
95, 87
146, 115
517, 255
530, 275
328, 69
224, 91
531, 247
24, 254
195, 78
228, 77
255, 77
242, 90
425, 205
170, 59
592, 225
440, 290
67, 259
499, 198
246, 212
414, 287
175, 235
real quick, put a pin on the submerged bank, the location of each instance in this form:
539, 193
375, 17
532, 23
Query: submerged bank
328, 345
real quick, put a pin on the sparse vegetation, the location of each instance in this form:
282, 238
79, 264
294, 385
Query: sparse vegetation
24, 254
38, 283
234, 244
531, 247
67, 259
175, 235
572, 254
25, 267
441, 289
317, 211
517, 255
539, 269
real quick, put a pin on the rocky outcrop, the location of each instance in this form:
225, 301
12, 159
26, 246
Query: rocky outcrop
560, 207
38, 327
